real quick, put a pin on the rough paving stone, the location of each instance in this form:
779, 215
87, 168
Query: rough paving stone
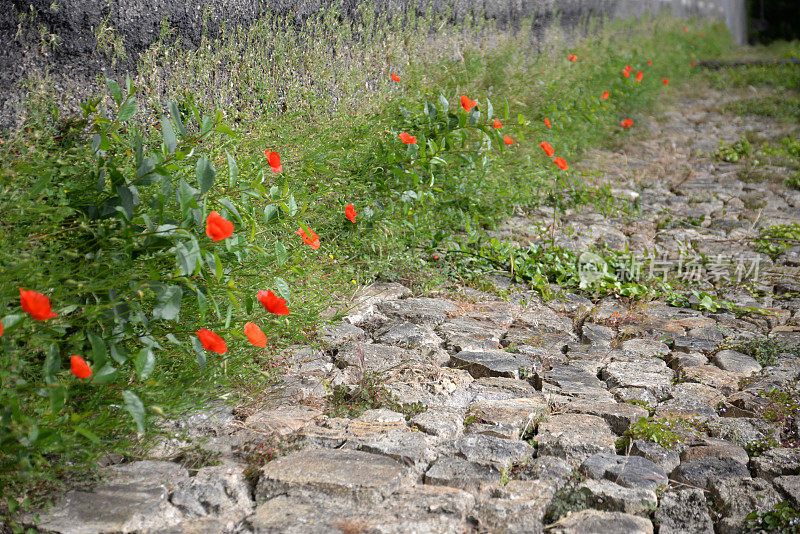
651, 374
491, 363
335, 336
552, 468
574, 437
572, 378
596, 334
363, 306
790, 487
610, 496
495, 452
680, 360
638, 395
518, 508
716, 448
500, 388
737, 498
700, 472
776, 462
645, 347
726, 382
419, 310
135, 498
736, 362
374, 357
409, 448
666, 459
282, 420
598, 522
520, 414
447, 423
355, 474
684, 511
619, 415
467, 334
376, 422
742, 430
415, 509
463, 474
409, 335
628, 471
694, 344
221, 491
543, 319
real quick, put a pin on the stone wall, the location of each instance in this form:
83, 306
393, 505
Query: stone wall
74, 41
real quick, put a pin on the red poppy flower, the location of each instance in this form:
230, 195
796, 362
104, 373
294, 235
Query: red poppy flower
692, 63
507, 140
312, 241
217, 228
79, 367
350, 212
639, 76
1, 328
407, 138
700, 34
255, 335
212, 341
467, 104
628, 68
665, 81
561, 164
627, 123
548, 148
274, 160
395, 77
626, 73
649, 62
497, 124
547, 122
685, 30
605, 95
36, 305
573, 58
272, 302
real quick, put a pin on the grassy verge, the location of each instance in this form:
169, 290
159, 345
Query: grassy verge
129, 297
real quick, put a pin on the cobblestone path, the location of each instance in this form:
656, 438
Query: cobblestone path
526, 400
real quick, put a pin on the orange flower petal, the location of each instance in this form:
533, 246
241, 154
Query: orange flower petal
350, 212
605, 96
507, 140
211, 341
36, 305
79, 367
548, 148
497, 124
547, 122
312, 241
561, 164
466, 103
407, 138
255, 335
272, 302
274, 161
217, 227
395, 77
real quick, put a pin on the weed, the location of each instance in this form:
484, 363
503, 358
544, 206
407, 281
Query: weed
783, 518
664, 432
370, 393
733, 152
777, 239
766, 350
567, 499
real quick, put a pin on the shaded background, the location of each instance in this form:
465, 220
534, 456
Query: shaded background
770, 20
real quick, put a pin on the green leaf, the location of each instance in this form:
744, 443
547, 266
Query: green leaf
186, 197
489, 110
292, 206
168, 305
145, 363
127, 110
271, 213
224, 129
506, 112
233, 170
430, 109
57, 396
444, 103
199, 351
86, 433
205, 174
116, 92
117, 354
135, 407
232, 208
168, 133
187, 257
99, 351
126, 200
280, 253
474, 117
176, 116
218, 267
105, 375
12, 321
283, 288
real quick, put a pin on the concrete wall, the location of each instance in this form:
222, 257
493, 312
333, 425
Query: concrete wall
59, 37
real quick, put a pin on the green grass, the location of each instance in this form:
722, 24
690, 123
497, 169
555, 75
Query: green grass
335, 122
